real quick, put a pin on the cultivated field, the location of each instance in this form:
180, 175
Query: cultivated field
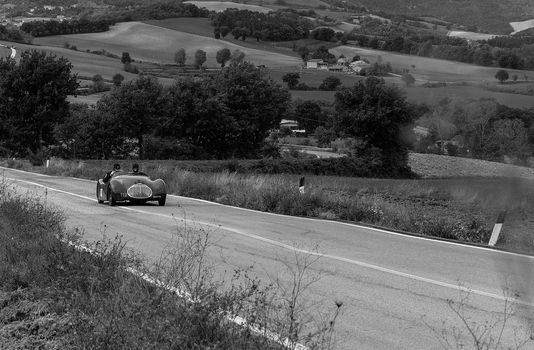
150, 43
470, 35
202, 26
439, 166
220, 6
85, 64
524, 25
156, 41
429, 69
432, 96
4, 51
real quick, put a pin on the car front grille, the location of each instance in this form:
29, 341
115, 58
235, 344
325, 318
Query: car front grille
139, 191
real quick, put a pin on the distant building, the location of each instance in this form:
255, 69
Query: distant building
357, 66
292, 125
313, 64
337, 68
421, 132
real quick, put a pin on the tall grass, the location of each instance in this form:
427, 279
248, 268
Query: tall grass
457, 208
53, 295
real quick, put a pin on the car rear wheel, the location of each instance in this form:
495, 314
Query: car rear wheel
162, 200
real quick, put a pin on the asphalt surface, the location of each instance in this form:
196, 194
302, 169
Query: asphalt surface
394, 288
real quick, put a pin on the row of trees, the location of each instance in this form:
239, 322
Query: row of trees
100, 23
217, 116
223, 56
281, 25
228, 115
13, 34
451, 49
73, 26
480, 129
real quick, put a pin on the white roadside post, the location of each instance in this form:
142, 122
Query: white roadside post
497, 229
301, 185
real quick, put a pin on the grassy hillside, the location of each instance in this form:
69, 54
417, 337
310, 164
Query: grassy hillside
156, 41
429, 68
85, 64
220, 6
492, 16
156, 44
432, 95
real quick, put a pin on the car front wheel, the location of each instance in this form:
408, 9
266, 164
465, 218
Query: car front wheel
162, 200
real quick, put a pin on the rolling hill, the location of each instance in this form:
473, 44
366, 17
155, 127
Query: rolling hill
151, 43
493, 16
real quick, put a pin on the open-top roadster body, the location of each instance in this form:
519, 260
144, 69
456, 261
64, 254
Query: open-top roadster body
123, 186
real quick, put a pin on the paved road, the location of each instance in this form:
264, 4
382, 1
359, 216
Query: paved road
393, 287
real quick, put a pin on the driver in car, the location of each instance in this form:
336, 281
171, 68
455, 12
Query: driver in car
109, 174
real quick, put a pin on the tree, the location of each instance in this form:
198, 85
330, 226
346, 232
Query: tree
228, 116
502, 75
309, 115
217, 32
136, 107
291, 79
322, 53
180, 57
255, 101
408, 79
474, 119
33, 97
126, 58
224, 31
324, 34
98, 83
237, 56
200, 58
117, 79
376, 115
89, 133
303, 52
510, 138
330, 83
223, 56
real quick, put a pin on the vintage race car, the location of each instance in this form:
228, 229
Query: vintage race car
123, 186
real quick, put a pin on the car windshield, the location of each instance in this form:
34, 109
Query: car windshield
118, 173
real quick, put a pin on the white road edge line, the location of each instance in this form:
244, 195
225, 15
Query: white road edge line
373, 229
304, 251
240, 321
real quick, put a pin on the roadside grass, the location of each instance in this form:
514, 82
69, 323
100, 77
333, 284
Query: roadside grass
53, 295
461, 208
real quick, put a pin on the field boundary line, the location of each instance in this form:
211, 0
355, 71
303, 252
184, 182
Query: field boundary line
313, 253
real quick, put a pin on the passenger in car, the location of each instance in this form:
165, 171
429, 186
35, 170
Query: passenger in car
135, 170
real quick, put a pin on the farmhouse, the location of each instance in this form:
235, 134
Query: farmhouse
421, 132
313, 64
292, 125
357, 66
337, 68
